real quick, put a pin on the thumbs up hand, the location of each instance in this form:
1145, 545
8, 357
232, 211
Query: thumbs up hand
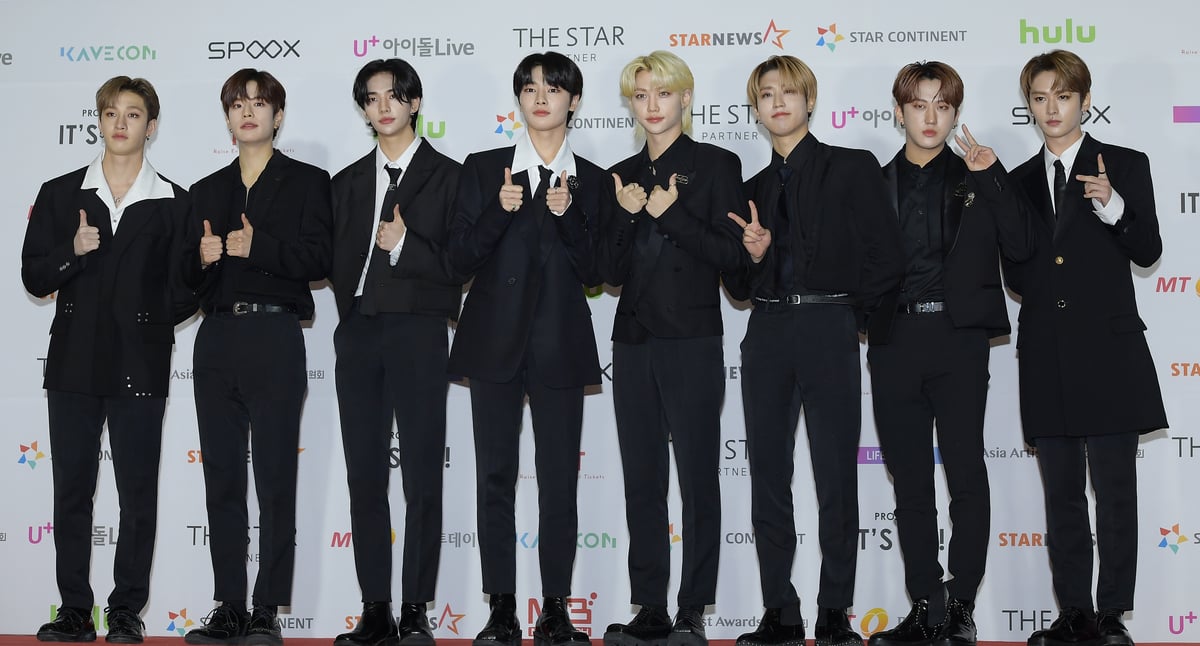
87, 237
237, 243
211, 246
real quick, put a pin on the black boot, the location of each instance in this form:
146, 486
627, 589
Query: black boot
688, 629
264, 628
69, 625
772, 631
554, 627
376, 627
414, 625
650, 627
226, 624
958, 629
913, 631
833, 629
1074, 627
502, 628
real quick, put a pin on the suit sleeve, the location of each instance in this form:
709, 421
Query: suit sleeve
579, 230
478, 222
884, 260
426, 251
48, 259
184, 265
710, 235
1137, 231
308, 256
618, 229
1012, 216
744, 281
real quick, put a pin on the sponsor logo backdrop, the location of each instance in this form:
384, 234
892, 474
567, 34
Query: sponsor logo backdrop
51, 63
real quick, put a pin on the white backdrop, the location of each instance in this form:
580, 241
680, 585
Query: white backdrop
1145, 59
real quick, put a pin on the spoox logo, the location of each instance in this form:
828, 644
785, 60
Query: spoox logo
255, 49
30, 454
771, 35
179, 622
92, 53
1096, 115
508, 124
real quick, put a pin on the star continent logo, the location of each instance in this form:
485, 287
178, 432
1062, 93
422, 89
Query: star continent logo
1172, 538
502, 120
179, 622
829, 37
30, 455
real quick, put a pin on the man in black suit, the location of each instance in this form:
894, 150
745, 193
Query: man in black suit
666, 247
929, 354
525, 226
823, 255
395, 289
109, 238
1088, 385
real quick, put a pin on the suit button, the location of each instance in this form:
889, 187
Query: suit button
1058, 260
1062, 304
512, 281
363, 255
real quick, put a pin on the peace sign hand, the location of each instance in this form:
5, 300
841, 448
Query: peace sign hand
976, 156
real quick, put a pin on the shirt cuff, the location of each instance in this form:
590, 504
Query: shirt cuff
394, 254
1112, 213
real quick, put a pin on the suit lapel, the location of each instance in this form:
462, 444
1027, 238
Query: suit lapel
414, 177
952, 202
892, 182
1038, 189
1075, 204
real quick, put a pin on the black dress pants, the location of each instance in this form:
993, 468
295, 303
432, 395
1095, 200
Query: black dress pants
135, 437
250, 381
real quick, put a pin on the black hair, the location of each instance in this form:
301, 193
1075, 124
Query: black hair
406, 84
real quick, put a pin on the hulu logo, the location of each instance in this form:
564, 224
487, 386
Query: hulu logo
1069, 33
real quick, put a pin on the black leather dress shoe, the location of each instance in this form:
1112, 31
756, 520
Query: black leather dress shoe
264, 628
414, 625
226, 624
772, 631
650, 627
376, 627
554, 627
69, 625
502, 628
124, 626
913, 631
1112, 630
833, 629
688, 629
958, 628
1074, 627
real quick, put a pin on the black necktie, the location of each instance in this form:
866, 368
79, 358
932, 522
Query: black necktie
379, 259
782, 237
539, 197
1060, 187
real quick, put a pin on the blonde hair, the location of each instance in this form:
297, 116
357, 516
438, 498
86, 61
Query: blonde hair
792, 71
669, 72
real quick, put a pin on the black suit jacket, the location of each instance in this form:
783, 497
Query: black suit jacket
854, 236
527, 299
117, 306
423, 280
1085, 366
670, 284
982, 217
289, 207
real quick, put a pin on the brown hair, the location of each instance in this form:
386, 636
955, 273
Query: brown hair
107, 95
794, 72
1070, 72
904, 89
269, 88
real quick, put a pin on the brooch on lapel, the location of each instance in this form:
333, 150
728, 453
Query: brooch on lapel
681, 179
572, 182
968, 197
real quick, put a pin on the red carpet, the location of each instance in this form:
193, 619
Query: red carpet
23, 640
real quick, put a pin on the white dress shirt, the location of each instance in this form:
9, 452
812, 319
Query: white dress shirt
526, 158
146, 186
1109, 214
382, 179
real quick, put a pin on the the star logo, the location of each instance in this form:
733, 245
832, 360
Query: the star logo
779, 34
1172, 538
30, 455
449, 619
502, 119
829, 37
179, 622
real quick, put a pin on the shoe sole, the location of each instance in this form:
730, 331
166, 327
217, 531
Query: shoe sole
884, 641
496, 642
419, 639
829, 642
62, 637
755, 642
614, 638
123, 639
541, 640
1054, 642
261, 640
687, 638
386, 641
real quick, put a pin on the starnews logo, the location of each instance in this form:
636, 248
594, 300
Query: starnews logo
772, 35
448, 620
30, 455
508, 124
179, 622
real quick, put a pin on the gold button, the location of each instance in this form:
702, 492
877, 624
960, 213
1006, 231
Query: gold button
1058, 260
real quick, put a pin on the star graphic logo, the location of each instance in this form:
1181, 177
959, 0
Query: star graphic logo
449, 619
502, 120
829, 37
30, 455
179, 622
1172, 538
675, 538
779, 34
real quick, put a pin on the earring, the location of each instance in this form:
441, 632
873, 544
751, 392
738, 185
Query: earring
147, 137
413, 113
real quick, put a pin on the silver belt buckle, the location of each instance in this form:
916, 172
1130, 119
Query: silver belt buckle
792, 299
240, 308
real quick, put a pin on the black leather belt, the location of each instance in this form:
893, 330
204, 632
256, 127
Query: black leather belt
925, 307
774, 304
241, 308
